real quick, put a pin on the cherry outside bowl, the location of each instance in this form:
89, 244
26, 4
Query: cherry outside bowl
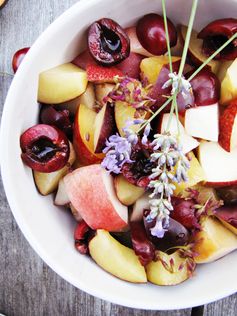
49, 229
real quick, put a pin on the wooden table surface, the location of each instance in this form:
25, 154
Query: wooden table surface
27, 285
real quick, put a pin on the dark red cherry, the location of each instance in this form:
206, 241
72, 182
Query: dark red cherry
206, 87
44, 148
215, 34
18, 57
151, 33
108, 42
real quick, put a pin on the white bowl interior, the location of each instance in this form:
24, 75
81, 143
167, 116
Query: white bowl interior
50, 229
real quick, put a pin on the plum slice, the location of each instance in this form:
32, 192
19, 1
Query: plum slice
108, 43
44, 148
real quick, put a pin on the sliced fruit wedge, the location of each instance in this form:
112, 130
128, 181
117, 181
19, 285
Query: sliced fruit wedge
61, 197
115, 258
213, 241
220, 166
170, 269
62, 83
227, 214
139, 206
203, 122
229, 84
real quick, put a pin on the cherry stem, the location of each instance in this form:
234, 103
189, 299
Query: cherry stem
233, 37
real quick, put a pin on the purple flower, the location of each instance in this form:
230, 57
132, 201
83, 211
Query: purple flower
158, 230
146, 134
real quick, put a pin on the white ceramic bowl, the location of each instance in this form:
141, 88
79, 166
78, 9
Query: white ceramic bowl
49, 229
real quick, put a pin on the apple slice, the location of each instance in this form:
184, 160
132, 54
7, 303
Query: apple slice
219, 165
140, 205
229, 84
104, 127
135, 45
91, 191
127, 193
61, 197
102, 90
124, 113
228, 127
195, 175
47, 183
170, 269
151, 67
187, 141
75, 213
62, 83
195, 50
83, 136
213, 241
203, 122
115, 258
227, 214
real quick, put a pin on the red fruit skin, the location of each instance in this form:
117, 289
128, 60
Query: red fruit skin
84, 59
151, 33
131, 66
206, 87
228, 214
107, 28
224, 28
184, 212
226, 124
54, 136
18, 57
143, 247
81, 236
100, 74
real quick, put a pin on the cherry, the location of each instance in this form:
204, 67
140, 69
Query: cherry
108, 42
44, 148
206, 87
151, 33
82, 234
184, 212
18, 57
228, 194
215, 34
49, 115
143, 247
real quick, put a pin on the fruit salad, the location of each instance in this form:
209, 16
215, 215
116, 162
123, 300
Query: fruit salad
137, 139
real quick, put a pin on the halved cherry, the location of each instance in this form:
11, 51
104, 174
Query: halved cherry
44, 148
108, 42
151, 33
18, 57
216, 34
82, 235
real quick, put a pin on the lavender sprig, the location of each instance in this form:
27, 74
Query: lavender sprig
172, 166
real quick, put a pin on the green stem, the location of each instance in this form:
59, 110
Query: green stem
188, 36
177, 116
212, 56
171, 114
167, 35
156, 113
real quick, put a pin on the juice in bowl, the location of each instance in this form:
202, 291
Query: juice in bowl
125, 138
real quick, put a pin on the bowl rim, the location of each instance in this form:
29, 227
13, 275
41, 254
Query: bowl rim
15, 208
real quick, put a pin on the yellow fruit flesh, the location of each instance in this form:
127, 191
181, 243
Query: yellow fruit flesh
195, 175
151, 67
213, 241
158, 274
47, 183
115, 258
61, 84
229, 84
127, 193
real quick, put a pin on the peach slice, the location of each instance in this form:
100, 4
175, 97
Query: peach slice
170, 269
102, 90
195, 50
83, 136
139, 206
213, 241
62, 83
228, 127
229, 84
91, 191
47, 183
203, 122
135, 45
115, 258
61, 197
127, 193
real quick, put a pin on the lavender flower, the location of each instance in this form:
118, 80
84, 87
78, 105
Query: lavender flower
171, 167
179, 84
